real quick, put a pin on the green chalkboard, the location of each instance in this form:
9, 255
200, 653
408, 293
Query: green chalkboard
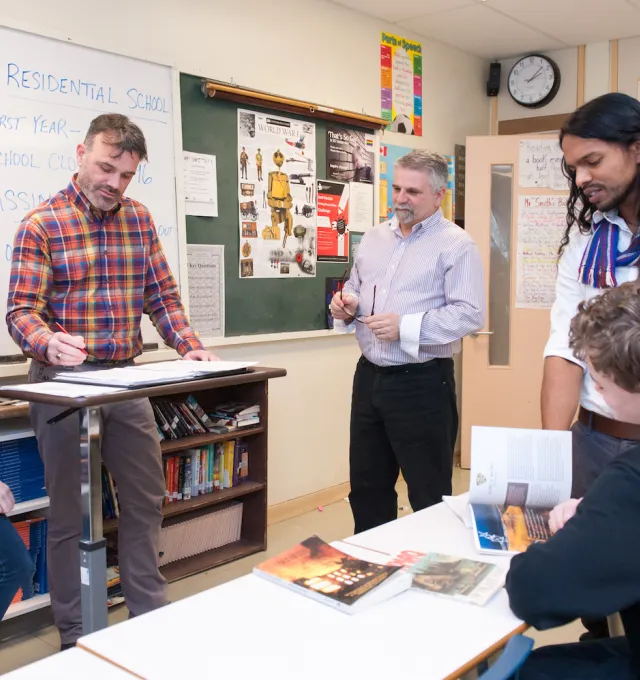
252, 305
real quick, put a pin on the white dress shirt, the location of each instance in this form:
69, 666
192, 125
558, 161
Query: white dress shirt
432, 279
570, 292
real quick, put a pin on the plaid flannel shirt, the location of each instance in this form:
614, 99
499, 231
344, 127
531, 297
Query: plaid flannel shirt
95, 273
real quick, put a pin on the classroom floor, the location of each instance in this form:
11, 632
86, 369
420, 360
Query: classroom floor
33, 636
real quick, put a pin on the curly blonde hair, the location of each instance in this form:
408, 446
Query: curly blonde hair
606, 331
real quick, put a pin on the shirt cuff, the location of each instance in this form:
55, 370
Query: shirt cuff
188, 343
342, 327
410, 326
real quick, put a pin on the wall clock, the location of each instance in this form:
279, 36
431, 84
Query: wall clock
534, 81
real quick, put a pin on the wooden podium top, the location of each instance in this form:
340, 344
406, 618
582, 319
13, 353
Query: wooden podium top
256, 374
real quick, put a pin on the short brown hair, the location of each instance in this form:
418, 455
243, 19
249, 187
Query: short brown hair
606, 331
120, 132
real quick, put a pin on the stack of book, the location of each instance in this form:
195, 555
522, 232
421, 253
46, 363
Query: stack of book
180, 417
234, 416
33, 533
201, 470
21, 469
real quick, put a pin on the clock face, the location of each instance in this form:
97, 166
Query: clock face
534, 81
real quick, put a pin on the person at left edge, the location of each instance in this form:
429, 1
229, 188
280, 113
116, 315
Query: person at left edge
90, 260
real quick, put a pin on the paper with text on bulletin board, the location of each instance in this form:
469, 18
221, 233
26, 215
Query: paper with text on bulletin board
541, 223
541, 165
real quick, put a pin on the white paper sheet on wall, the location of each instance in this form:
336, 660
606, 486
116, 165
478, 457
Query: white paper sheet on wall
541, 165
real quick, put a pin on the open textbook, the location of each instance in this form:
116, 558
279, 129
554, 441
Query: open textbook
517, 477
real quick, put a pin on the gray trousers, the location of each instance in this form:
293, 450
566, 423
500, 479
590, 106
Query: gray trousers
131, 452
591, 452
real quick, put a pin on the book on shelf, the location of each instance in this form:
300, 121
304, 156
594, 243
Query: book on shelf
517, 477
471, 581
324, 573
205, 469
235, 415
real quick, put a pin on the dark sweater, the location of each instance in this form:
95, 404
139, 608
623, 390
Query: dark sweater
591, 567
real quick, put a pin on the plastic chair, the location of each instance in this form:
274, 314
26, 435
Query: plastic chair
513, 656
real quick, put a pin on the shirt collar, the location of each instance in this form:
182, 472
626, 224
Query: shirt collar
612, 217
75, 195
430, 221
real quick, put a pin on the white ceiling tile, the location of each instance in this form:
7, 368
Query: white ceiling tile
481, 31
571, 21
401, 10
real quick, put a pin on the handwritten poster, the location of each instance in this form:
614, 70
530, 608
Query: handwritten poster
541, 165
401, 84
206, 289
541, 223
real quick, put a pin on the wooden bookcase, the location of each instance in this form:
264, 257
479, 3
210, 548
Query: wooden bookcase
251, 388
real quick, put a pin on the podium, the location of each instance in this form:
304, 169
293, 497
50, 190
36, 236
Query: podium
93, 564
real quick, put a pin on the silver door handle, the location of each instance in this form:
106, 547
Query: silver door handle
475, 335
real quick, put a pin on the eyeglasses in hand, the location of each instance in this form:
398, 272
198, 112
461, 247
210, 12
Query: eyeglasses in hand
359, 319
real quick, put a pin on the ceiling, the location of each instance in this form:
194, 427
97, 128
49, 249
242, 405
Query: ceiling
494, 29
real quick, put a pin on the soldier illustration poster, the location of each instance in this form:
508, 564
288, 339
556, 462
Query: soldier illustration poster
276, 194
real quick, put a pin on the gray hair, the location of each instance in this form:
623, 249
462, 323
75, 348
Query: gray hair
433, 164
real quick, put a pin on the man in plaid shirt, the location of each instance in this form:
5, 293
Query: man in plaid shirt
90, 260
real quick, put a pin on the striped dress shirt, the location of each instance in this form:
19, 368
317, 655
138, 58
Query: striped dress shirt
433, 279
95, 273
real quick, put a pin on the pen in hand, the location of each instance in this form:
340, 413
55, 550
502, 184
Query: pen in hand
84, 351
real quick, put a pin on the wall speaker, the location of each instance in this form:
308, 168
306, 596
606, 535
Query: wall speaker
493, 84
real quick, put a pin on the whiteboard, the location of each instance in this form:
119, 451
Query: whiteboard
49, 93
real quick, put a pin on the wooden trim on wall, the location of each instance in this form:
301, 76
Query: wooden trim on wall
493, 128
303, 504
613, 62
525, 126
581, 72
241, 95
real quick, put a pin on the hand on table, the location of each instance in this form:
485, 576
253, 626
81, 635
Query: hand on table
200, 355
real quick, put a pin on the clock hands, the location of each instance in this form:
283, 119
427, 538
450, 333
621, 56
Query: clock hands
535, 75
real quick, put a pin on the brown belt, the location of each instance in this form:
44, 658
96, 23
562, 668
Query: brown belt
612, 428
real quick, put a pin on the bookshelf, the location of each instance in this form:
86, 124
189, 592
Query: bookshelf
252, 493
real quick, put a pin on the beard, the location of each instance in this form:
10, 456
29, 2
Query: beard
618, 195
404, 212
94, 193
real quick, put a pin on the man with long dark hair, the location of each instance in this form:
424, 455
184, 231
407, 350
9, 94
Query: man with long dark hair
599, 250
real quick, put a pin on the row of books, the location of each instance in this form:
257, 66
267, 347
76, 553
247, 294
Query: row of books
33, 533
318, 570
21, 468
205, 469
184, 417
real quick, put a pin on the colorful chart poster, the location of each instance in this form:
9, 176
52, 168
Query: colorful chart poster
389, 154
401, 83
333, 221
276, 193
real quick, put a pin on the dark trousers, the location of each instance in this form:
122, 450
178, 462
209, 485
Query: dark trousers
16, 566
593, 660
402, 418
592, 451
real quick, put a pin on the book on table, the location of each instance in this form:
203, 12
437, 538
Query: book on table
320, 571
459, 578
517, 477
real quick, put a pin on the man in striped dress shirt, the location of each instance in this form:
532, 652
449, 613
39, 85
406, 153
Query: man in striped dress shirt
416, 288
90, 261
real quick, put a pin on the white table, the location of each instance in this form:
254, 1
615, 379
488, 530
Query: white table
74, 664
252, 628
